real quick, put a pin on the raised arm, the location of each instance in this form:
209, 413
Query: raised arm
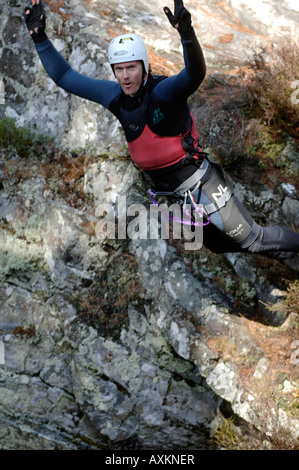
190, 78
100, 91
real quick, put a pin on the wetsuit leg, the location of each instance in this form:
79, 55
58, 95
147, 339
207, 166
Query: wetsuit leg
216, 240
232, 229
275, 239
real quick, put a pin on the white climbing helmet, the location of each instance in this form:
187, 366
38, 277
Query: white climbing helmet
128, 48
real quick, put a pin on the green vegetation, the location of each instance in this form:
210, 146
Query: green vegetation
22, 141
291, 301
226, 437
266, 144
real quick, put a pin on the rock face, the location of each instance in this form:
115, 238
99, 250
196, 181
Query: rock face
130, 343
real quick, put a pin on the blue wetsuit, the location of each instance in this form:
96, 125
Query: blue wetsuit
155, 121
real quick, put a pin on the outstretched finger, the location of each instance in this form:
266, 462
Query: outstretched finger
167, 12
172, 19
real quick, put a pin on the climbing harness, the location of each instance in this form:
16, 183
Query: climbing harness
190, 221
188, 188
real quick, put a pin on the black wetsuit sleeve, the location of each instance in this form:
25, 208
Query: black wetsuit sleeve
190, 78
194, 59
100, 91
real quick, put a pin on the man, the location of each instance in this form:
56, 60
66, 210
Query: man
161, 134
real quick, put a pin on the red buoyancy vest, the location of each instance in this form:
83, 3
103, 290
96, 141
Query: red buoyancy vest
151, 151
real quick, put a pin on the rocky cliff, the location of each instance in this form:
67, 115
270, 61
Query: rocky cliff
130, 343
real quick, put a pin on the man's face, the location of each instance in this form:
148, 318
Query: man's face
129, 76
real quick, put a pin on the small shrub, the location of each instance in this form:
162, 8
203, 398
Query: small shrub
291, 301
269, 86
21, 141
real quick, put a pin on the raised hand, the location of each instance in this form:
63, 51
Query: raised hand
181, 19
36, 21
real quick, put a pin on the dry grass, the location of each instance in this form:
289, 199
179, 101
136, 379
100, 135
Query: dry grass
246, 120
105, 304
269, 85
291, 301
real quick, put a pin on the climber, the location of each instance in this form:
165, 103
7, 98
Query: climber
161, 134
